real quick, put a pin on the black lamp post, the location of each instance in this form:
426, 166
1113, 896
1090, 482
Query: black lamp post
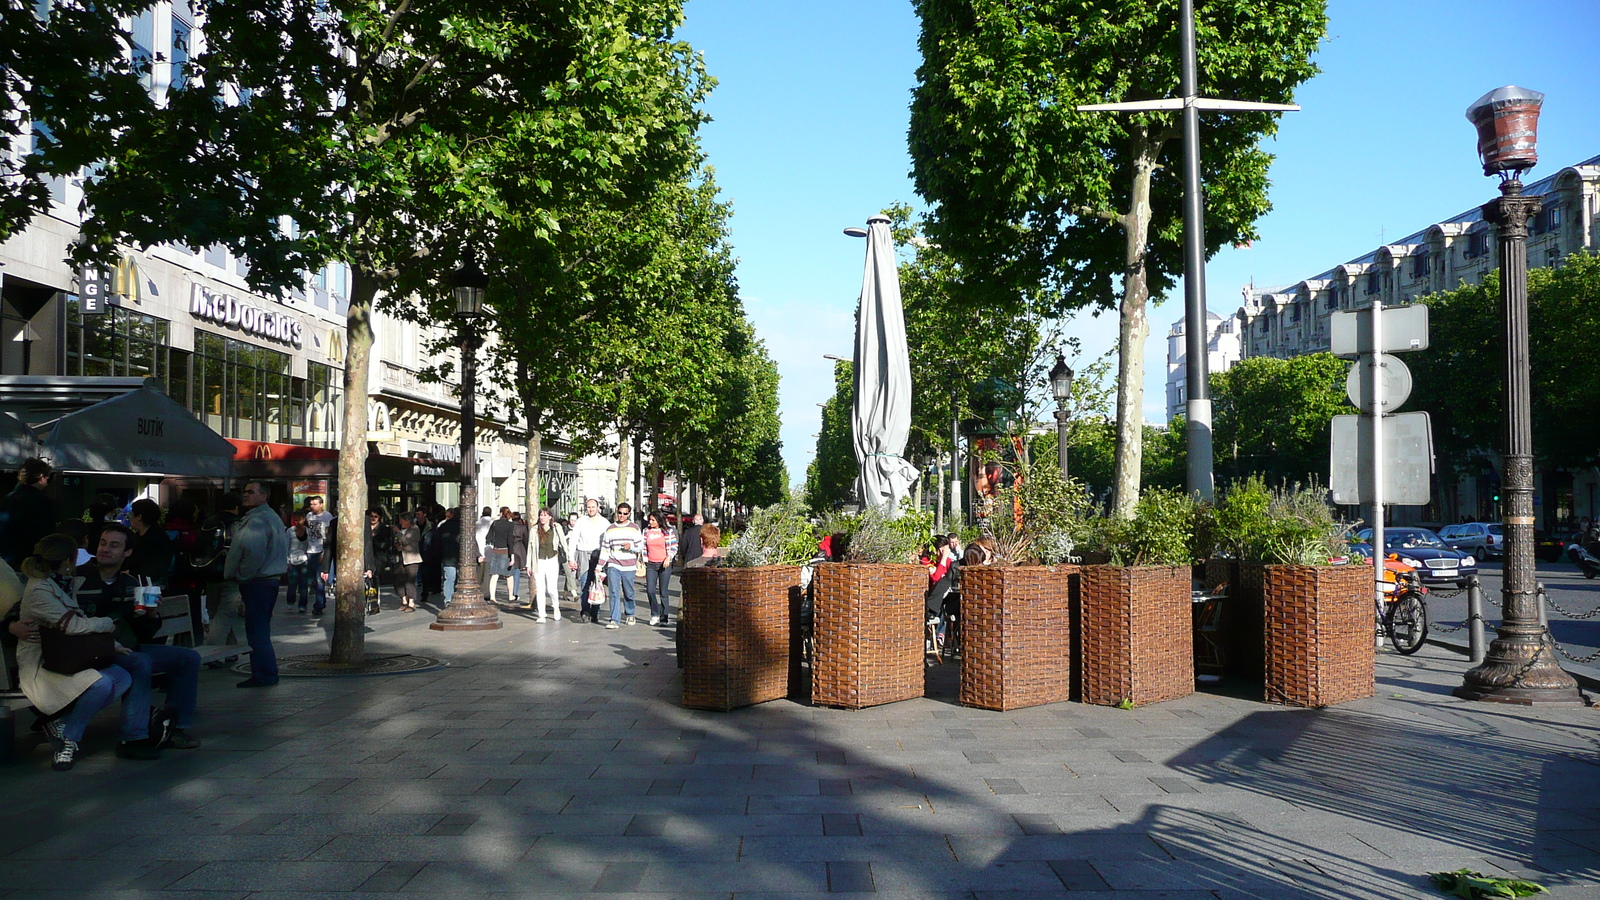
467, 610
1520, 667
1061, 389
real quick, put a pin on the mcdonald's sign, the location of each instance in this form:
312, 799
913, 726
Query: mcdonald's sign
127, 280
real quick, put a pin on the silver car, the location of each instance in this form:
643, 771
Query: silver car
1481, 539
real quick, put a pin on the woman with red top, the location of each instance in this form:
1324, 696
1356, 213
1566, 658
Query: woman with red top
660, 546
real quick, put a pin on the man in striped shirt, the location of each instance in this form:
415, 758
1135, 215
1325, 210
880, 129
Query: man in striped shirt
621, 549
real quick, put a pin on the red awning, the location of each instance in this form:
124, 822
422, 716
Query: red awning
251, 451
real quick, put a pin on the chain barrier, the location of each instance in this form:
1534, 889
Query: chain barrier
1580, 660
1568, 613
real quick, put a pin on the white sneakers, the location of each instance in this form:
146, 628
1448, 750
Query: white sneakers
655, 620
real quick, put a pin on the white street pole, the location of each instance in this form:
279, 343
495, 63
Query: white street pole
1375, 360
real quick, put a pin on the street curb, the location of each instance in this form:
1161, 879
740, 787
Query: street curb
1587, 676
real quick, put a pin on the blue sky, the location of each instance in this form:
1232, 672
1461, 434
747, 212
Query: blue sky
809, 124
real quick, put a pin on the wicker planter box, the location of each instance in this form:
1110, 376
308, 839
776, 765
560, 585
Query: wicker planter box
1138, 634
735, 646
868, 633
1243, 630
1016, 635
1318, 642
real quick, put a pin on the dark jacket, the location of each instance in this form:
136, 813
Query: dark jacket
115, 601
689, 546
447, 541
519, 544
152, 555
375, 546
29, 516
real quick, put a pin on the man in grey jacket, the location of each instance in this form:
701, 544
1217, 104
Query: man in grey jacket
257, 560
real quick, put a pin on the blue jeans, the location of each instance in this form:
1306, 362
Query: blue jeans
449, 582
114, 682
314, 566
619, 582
260, 595
136, 702
516, 581
657, 581
299, 579
183, 688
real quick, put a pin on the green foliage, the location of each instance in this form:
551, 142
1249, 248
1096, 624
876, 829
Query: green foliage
831, 477
1274, 416
1161, 532
64, 72
1033, 194
873, 536
1470, 885
1462, 383
776, 535
1291, 524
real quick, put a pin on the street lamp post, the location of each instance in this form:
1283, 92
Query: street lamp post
1061, 389
467, 610
1520, 667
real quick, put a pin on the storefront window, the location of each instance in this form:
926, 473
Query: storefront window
119, 342
239, 388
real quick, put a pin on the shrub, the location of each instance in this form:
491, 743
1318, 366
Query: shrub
1161, 532
776, 535
1294, 524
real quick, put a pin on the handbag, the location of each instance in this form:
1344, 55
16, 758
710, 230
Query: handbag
69, 654
373, 607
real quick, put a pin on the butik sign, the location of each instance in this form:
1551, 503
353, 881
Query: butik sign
225, 309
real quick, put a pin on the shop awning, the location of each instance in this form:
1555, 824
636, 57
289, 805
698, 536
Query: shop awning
141, 432
17, 440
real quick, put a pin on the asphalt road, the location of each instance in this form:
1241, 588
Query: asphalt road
1564, 585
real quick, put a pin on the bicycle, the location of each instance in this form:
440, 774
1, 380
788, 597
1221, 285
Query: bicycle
1403, 615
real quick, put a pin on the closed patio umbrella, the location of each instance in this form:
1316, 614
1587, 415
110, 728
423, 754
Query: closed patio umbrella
881, 419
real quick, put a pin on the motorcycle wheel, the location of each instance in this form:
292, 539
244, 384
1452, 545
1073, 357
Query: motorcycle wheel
1408, 627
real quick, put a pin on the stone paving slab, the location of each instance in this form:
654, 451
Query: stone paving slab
553, 760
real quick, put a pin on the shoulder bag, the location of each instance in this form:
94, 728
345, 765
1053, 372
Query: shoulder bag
69, 654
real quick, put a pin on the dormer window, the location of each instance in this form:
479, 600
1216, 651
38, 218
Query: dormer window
1419, 265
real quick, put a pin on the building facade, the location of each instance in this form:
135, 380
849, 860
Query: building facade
1222, 351
1293, 319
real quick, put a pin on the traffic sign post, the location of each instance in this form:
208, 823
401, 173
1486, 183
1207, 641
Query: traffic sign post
1378, 457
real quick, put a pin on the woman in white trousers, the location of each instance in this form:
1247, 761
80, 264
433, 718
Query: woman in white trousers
548, 544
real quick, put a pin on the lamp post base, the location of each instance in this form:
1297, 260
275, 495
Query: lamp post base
467, 613
1521, 671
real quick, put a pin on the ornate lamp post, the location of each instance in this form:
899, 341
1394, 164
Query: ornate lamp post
1520, 668
467, 610
1061, 389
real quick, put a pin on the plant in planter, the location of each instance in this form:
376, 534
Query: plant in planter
1301, 623
737, 618
867, 623
1138, 637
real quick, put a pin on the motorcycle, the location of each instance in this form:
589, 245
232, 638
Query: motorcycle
1585, 560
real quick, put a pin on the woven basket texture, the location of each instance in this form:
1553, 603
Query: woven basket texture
736, 633
1138, 634
1016, 635
868, 624
1319, 645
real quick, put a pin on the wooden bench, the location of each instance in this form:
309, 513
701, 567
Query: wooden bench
177, 628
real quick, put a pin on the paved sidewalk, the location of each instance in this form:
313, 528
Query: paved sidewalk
554, 760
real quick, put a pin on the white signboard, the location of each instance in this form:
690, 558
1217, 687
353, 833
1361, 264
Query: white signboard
1395, 378
1405, 328
1408, 459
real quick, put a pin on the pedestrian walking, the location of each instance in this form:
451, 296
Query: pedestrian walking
583, 555
519, 554
497, 551
548, 548
256, 562
300, 571
408, 544
622, 553
447, 542
660, 547
319, 533
29, 513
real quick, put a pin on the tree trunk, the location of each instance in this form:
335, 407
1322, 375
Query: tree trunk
1133, 329
350, 602
622, 469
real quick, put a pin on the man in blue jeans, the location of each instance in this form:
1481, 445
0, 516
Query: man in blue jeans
257, 561
319, 523
103, 588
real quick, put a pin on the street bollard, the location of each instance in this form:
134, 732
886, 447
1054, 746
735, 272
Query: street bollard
1475, 637
1544, 618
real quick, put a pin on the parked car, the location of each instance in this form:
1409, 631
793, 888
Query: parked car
1421, 549
1481, 539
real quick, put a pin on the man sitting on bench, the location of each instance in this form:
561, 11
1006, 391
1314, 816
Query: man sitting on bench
104, 589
